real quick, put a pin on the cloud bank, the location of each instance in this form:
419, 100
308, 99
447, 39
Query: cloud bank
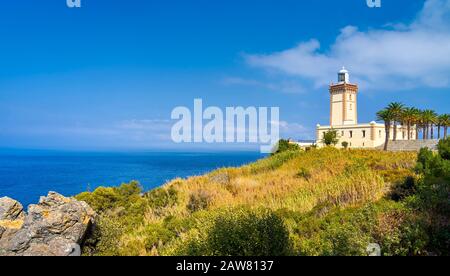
399, 56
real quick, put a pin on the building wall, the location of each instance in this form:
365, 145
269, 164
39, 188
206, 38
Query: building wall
337, 112
350, 117
363, 135
343, 104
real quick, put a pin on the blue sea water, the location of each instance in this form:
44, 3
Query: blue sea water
27, 175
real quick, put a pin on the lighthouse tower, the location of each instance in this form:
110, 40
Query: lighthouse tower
343, 101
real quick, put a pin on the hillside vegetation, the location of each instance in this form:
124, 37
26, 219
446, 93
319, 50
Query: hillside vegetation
319, 202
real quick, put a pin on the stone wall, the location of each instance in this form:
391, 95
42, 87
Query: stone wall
414, 145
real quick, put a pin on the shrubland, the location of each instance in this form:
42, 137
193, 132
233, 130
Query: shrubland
319, 202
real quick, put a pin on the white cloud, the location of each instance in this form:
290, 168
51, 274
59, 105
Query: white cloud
294, 131
400, 56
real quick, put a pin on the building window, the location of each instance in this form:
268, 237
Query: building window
364, 144
351, 134
380, 133
351, 107
364, 134
343, 133
350, 97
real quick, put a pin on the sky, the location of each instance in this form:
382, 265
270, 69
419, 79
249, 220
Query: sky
107, 75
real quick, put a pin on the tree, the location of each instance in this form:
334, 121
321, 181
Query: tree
416, 121
330, 138
428, 120
285, 145
387, 117
409, 118
443, 122
345, 145
396, 110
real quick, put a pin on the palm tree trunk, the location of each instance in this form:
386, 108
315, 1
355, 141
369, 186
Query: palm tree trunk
395, 131
432, 131
424, 133
439, 132
445, 132
408, 126
388, 135
417, 132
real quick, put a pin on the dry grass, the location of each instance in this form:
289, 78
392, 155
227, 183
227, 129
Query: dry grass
332, 176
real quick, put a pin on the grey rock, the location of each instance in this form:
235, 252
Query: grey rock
10, 209
56, 226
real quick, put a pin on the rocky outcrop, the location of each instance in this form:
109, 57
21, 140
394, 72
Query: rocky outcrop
56, 226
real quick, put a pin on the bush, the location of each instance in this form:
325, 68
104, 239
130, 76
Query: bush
403, 189
444, 148
330, 138
348, 232
104, 240
244, 232
286, 145
161, 198
103, 199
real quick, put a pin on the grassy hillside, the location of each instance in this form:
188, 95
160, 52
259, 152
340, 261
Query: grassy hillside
320, 202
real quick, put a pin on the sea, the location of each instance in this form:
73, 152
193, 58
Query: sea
26, 175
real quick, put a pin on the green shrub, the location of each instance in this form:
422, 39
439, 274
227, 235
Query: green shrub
348, 232
444, 148
244, 232
403, 189
345, 145
161, 198
330, 138
104, 239
286, 145
103, 199
157, 235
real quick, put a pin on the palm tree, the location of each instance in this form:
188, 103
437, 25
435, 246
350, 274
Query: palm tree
408, 118
445, 123
388, 117
396, 110
429, 118
440, 122
423, 124
416, 121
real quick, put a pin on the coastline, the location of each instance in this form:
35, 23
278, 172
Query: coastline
26, 175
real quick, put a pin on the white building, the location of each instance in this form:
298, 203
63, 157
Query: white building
344, 119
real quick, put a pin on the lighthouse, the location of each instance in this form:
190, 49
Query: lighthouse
343, 101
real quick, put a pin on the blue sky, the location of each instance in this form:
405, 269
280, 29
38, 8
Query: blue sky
107, 76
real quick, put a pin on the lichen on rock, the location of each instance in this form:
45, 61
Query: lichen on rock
56, 226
